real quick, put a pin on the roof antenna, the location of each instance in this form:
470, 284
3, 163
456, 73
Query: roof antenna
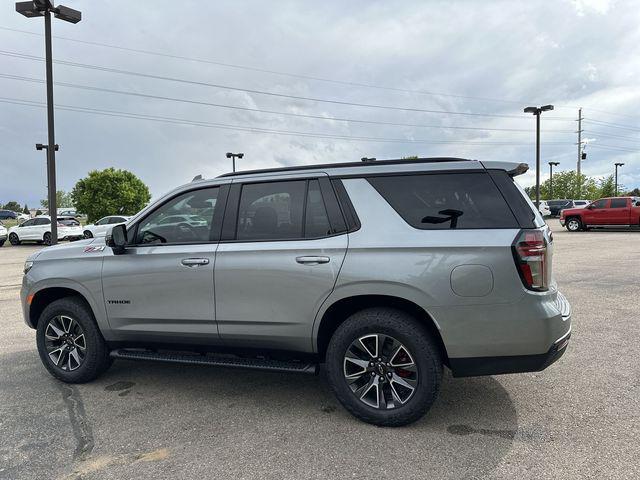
197, 177
365, 159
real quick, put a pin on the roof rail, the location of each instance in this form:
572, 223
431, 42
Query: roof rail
347, 165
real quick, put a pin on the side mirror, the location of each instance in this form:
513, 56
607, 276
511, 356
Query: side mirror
590, 206
117, 239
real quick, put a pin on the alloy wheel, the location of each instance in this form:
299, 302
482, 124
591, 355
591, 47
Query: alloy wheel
65, 343
573, 225
88, 234
380, 371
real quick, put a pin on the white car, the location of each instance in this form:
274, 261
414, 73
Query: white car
22, 216
3, 234
544, 209
99, 229
581, 203
189, 220
39, 230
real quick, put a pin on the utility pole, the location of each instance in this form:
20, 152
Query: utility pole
578, 169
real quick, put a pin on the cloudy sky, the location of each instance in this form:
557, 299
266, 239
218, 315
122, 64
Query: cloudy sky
484, 61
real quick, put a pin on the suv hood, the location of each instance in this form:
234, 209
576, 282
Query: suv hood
69, 250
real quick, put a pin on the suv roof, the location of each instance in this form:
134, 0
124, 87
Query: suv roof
511, 167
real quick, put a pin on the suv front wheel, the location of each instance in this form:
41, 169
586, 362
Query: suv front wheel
384, 367
69, 342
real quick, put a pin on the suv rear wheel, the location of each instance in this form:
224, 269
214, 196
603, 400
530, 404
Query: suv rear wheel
69, 343
383, 367
13, 239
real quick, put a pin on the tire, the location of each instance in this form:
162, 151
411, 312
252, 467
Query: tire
574, 224
14, 240
2, 243
74, 314
46, 239
88, 234
407, 405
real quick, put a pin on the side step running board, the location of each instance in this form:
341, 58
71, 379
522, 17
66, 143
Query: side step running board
217, 360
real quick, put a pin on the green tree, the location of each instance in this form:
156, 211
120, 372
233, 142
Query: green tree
25, 209
607, 187
63, 200
634, 193
109, 192
13, 206
565, 185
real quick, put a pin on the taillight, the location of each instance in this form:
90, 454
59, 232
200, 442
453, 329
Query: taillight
530, 252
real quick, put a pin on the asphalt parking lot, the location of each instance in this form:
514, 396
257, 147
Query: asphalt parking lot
578, 419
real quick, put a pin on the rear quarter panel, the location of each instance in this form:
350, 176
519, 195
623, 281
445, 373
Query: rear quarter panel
387, 256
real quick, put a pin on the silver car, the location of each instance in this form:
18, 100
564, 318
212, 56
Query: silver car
385, 272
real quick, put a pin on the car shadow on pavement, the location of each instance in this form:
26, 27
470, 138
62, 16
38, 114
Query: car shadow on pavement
219, 412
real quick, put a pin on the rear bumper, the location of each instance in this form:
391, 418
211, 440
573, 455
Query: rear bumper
3, 237
496, 365
471, 367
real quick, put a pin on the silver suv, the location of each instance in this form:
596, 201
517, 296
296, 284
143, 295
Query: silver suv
383, 271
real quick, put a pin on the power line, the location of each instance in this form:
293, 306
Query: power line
224, 126
614, 125
613, 147
266, 93
301, 76
609, 135
257, 110
262, 70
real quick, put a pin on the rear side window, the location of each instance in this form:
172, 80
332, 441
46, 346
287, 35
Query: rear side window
446, 201
618, 203
316, 222
271, 211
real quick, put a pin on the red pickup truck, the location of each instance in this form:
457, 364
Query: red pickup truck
605, 212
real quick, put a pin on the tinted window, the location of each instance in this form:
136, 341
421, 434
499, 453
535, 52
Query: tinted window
442, 201
600, 203
42, 221
618, 203
188, 218
316, 219
28, 223
271, 211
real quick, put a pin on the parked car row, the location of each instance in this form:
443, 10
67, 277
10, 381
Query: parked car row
38, 229
11, 215
555, 206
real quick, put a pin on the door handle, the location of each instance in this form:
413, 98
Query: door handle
312, 260
194, 262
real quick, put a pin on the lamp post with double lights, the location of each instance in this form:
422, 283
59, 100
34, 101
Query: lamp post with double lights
551, 165
234, 156
617, 165
537, 111
44, 8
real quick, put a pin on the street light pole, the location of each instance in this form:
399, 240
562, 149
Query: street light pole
44, 8
51, 151
617, 165
233, 156
537, 111
551, 165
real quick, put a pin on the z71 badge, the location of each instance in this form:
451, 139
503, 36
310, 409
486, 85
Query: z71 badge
93, 249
